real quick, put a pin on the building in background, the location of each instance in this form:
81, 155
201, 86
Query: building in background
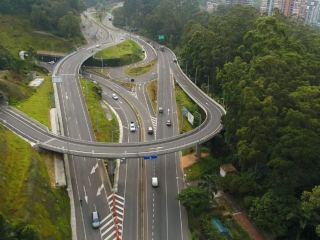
299, 8
312, 13
241, 2
212, 6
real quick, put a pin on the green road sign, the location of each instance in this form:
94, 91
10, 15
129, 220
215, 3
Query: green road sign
110, 12
161, 37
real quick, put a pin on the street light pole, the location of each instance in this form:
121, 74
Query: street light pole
97, 119
200, 119
113, 132
195, 77
208, 84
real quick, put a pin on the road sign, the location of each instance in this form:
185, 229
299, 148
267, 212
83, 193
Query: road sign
56, 79
150, 157
161, 37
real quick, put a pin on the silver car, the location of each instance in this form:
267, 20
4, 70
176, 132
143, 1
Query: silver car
95, 220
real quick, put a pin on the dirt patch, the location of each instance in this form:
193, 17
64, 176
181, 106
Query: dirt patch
191, 159
248, 226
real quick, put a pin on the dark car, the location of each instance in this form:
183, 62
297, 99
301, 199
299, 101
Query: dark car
150, 130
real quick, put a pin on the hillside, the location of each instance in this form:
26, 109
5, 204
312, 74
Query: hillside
16, 37
25, 189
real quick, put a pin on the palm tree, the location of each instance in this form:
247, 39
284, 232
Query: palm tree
209, 183
304, 217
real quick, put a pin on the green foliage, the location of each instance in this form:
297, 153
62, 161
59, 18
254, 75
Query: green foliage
209, 230
195, 200
204, 165
15, 36
271, 210
142, 69
68, 27
47, 15
102, 127
209, 183
28, 192
128, 52
39, 104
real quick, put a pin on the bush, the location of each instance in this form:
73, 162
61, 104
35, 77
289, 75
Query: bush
248, 201
208, 229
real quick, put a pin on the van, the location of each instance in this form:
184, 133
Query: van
95, 220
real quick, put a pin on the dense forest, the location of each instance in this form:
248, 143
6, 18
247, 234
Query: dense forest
60, 17
266, 69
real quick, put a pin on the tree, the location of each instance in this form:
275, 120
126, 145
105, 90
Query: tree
30, 233
209, 183
304, 217
194, 199
272, 209
5, 228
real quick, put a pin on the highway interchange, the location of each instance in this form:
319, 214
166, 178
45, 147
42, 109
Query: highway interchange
144, 212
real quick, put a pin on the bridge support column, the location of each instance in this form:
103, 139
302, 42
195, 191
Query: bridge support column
198, 150
37, 147
111, 166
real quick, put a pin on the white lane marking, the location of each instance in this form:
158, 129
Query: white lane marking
85, 235
94, 168
89, 181
85, 194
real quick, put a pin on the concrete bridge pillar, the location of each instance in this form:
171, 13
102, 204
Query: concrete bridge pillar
198, 150
111, 166
4, 101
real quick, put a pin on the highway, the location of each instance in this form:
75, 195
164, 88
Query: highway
163, 217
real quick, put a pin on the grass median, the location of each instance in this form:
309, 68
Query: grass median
140, 70
152, 89
128, 52
102, 126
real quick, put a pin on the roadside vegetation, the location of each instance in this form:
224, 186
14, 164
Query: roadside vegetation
38, 105
152, 89
102, 127
128, 52
203, 165
105, 73
27, 196
142, 69
183, 100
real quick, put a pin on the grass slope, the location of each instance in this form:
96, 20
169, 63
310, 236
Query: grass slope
26, 192
104, 134
128, 52
15, 37
39, 104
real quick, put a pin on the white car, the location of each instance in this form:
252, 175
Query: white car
51, 62
155, 182
114, 96
121, 38
95, 82
98, 45
132, 127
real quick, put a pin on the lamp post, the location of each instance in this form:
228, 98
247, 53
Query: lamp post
113, 132
208, 84
200, 119
137, 138
68, 135
195, 77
